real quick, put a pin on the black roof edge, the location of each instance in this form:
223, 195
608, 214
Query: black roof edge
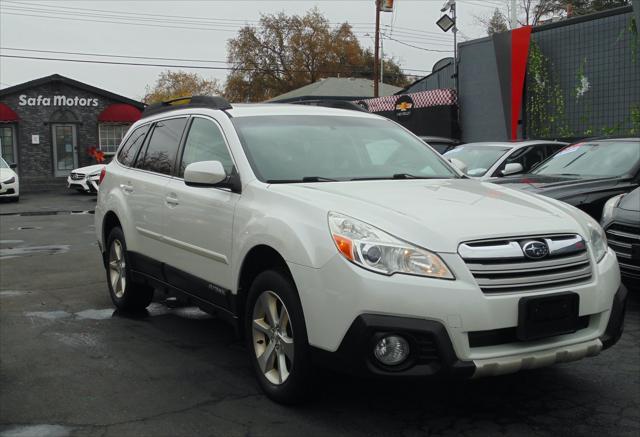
338, 104
72, 82
312, 97
210, 102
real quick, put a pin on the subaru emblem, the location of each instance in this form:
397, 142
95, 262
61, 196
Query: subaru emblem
535, 249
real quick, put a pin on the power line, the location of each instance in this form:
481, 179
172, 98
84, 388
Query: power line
103, 55
416, 47
199, 67
226, 22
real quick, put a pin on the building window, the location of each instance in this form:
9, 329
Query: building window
111, 135
8, 144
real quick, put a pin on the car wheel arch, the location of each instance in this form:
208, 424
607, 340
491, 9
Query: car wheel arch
258, 259
109, 222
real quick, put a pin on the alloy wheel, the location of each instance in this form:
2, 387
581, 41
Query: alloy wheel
272, 337
117, 269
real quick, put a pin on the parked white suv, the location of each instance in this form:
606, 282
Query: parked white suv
335, 237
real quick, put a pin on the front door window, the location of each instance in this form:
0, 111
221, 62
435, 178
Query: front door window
64, 149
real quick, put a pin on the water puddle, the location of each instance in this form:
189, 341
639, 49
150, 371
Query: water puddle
45, 213
27, 228
11, 293
154, 310
96, 314
16, 252
37, 431
49, 315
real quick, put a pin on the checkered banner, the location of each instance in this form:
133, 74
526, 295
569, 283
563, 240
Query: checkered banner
423, 99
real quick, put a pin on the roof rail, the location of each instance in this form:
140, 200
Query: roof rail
211, 102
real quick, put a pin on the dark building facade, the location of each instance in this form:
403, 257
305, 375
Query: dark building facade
51, 125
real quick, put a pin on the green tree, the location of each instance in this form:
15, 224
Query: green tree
173, 84
497, 23
286, 52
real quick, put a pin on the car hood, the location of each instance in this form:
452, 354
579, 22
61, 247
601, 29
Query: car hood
631, 201
6, 173
440, 214
89, 169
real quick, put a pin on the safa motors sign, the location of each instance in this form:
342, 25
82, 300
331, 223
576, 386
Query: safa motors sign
59, 100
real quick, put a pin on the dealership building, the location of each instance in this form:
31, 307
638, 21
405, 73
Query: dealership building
49, 126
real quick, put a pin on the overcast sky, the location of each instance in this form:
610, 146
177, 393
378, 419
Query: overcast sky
197, 30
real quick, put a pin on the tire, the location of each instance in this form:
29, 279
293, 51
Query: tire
125, 294
285, 374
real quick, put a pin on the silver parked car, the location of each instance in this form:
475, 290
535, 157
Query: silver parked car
495, 159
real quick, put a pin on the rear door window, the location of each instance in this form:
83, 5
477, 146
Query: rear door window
129, 150
161, 152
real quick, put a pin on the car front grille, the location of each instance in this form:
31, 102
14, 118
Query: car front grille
77, 176
621, 239
501, 266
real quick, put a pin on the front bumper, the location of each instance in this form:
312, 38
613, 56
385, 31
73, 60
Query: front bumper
432, 352
88, 184
479, 327
9, 190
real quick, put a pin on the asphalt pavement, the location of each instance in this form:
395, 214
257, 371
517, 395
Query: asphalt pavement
71, 365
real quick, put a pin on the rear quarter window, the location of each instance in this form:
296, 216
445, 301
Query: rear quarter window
130, 148
162, 149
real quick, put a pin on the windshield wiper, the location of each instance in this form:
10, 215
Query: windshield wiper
399, 176
304, 179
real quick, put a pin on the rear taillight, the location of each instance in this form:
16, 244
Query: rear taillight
103, 173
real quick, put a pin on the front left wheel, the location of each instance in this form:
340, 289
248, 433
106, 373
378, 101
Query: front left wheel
276, 337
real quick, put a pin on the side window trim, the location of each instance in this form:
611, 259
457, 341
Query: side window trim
124, 141
147, 140
186, 136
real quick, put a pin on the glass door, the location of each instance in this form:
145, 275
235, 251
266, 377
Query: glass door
65, 157
8, 144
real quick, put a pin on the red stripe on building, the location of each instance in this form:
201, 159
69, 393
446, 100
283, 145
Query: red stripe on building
520, 39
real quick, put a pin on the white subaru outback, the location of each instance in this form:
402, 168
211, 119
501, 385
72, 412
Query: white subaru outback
337, 237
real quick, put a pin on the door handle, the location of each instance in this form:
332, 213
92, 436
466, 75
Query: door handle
171, 200
128, 189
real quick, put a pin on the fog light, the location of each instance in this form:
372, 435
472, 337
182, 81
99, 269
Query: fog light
391, 350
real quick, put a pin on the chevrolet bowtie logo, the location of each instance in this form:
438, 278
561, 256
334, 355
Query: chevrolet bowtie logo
404, 106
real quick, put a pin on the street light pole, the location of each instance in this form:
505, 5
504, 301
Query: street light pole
455, 42
376, 52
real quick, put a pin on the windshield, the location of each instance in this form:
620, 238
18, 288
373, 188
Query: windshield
3, 163
593, 159
479, 158
303, 148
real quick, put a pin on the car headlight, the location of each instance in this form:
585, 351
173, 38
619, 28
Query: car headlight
375, 250
607, 211
597, 240
11, 180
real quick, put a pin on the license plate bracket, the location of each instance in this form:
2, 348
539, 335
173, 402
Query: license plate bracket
546, 316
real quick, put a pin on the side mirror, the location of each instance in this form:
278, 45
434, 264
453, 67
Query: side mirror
512, 168
13, 166
204, 174
459, 165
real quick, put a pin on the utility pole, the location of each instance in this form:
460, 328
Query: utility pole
382, 64
513, 15
376, 52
